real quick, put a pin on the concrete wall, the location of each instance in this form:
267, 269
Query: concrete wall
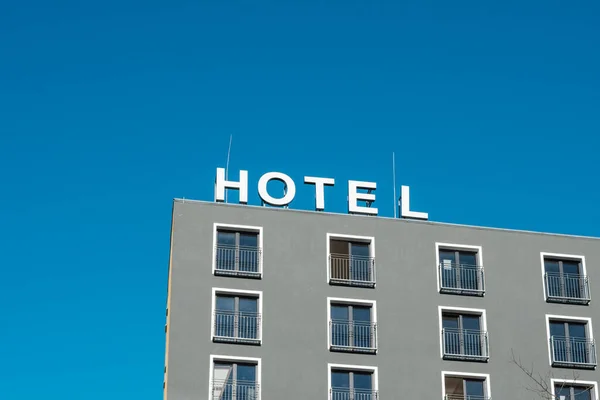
294, 352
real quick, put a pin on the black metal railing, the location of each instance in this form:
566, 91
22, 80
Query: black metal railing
237, 390
352, 270
352, 394
353, 336
567, 288
237, 260
573, 352
237, 326
461, 279
465, 397
465, 344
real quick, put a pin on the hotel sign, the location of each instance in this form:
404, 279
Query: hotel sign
354, 196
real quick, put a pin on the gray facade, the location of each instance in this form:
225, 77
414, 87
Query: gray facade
294, 350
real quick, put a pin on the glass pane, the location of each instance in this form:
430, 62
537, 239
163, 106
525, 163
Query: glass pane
448, 256
338, 247
225, 303
557, 329
450, 321
471, 322
467, 259
472, 337
248, 319
561, 390
361, 314
360, 263
226, 238
577, 331
222, 385
448, 269
582, 393
340, 326
340, 313
452, 336
551, 266
474, 388
225, 316
248, 305
454, 387
360, 249
246, 373
226, 250
248, 252
363, 382
361, 317
571, 267
558, 341
340, 379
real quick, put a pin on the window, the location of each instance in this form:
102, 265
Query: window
237, 316
565, 279
234, 378
351, 382
574, 390
238, 250
461, 386
459, 269
352, 325
571, 342
464, 335
351, 260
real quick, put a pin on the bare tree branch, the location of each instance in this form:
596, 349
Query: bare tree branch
540, 384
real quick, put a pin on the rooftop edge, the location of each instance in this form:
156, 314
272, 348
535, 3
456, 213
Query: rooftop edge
278, 209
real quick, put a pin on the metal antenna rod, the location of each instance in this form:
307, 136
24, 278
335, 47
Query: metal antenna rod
227, 165
394, 186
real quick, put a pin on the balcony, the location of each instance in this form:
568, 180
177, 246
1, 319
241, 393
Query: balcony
350, 336
463, 344
461, 279
567, 288
352, 394
352, 270
465, 397
237, 327
238, 261
239, 390
573, 352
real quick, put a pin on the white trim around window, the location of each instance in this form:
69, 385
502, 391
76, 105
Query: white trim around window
575, 382
549, 317
249, 360
460, 310
358, 368
236, 292
457, 247
346, 301
559, 256
241, 228
366, 239
484, 377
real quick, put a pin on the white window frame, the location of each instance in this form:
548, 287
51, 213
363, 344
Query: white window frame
560, 256
246, 228
549, 317
251, 360
456, 247
474, 311
236, 292
358, 302
361, 368
575, 382
342, 236
485, 377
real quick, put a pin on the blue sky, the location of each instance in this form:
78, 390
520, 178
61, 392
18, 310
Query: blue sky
109, 110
